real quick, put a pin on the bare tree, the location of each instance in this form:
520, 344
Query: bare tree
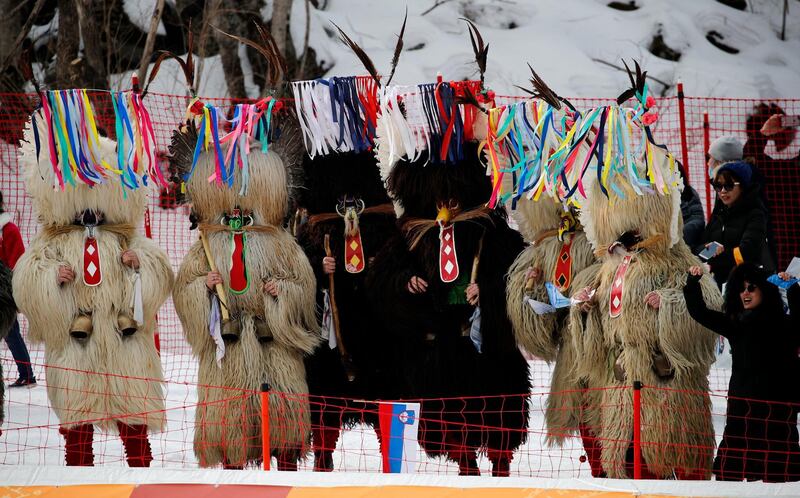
69, 39
280, 23
226, 20
95, 70
151, 40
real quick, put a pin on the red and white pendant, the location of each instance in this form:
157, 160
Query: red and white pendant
92, 276
448, 262
618, 288
238, 275
353, 253
562, 276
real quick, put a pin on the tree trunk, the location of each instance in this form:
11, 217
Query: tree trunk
279, 29
280, 23
226, 20
90, 16
69, 38
151, 41
9, 29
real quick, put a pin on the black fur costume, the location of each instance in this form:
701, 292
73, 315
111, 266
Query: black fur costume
425, 331
330, 179
8, 313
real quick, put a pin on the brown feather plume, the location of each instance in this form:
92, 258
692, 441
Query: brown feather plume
480, 49
542, 91
268, 48
397, 49
362, 56
468, 98
186, 65
638, 81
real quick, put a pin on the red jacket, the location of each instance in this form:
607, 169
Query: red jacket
11, 246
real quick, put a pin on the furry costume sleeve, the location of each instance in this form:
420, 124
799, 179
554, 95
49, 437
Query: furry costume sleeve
586, 328
535, 333
687, 344
156, 274
49, 309
190, 297
291, 316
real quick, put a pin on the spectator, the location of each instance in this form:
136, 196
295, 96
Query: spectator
760, 440
781, 177
11, 248
738, 223
724, 149
694, 221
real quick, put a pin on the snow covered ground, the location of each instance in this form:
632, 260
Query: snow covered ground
562, 40
30, 432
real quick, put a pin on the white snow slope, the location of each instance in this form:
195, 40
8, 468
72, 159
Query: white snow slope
561, 39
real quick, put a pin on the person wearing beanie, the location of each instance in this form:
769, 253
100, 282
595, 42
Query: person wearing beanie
738, 223
760, 441
724, 149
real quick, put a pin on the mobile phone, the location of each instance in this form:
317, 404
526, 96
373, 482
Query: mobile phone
790, 121
709, 251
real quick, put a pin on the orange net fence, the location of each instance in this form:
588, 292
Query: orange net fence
31, 431
669, 433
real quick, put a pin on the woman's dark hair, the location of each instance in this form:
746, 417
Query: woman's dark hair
2, 210
748, 272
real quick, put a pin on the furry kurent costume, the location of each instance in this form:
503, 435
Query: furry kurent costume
349, 219
266, 335
347, 205
471, 378
632, 219
558, 252
8, 313
101, 361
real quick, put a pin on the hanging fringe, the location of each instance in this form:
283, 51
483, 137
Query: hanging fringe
337, 114
74, 142
250, 122
550, 150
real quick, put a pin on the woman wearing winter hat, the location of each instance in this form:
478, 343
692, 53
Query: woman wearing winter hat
760, 441
737, 230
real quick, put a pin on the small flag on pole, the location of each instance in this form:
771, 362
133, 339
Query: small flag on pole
399, 424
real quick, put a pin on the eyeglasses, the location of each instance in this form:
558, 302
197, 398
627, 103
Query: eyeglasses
750, 288
727, 187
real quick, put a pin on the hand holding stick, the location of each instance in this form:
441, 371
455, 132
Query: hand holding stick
347, 362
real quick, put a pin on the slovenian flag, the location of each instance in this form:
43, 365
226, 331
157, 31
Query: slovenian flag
399, 425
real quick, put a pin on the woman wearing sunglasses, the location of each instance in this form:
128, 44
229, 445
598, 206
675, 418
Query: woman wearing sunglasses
760, 441
737, 229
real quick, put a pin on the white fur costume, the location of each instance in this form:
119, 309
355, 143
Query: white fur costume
106, 378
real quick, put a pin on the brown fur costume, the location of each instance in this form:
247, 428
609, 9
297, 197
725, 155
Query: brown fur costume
548, 336
677, 435
108, 380
228, 422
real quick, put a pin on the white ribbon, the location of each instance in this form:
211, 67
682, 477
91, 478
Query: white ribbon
327, 320
215, 329
136, 299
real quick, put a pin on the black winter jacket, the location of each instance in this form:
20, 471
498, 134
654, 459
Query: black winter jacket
694, 220
742, 230
763, 341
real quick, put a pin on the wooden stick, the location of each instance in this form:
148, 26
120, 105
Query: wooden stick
335, 312
223, 298
476, 261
